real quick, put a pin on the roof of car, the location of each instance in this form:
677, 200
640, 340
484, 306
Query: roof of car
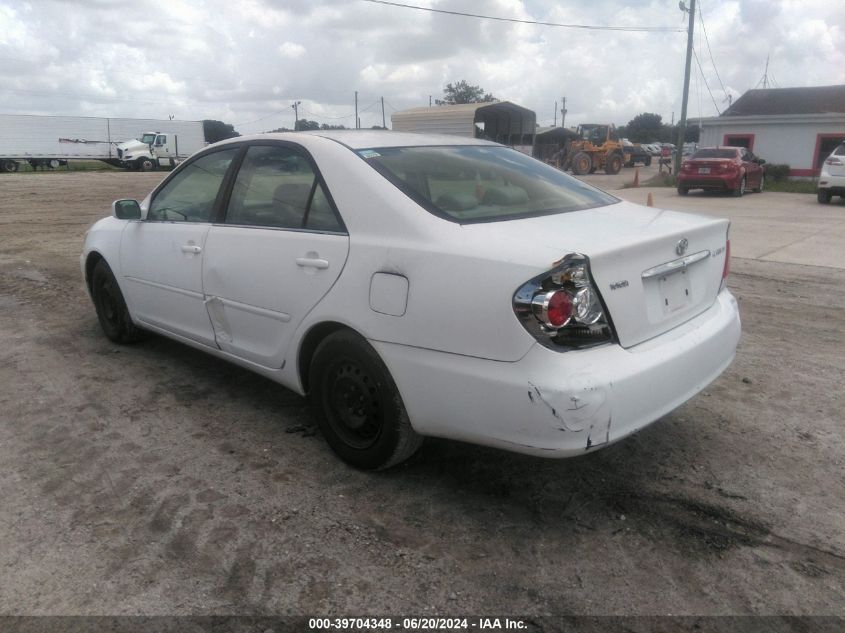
366, 139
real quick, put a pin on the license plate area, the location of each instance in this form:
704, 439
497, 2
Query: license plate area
703, 170
674, 291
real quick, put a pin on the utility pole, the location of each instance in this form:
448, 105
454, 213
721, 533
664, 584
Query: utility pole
382, 114
357, 120
555, 124
429, 101
563, 112
682, 125
295, 107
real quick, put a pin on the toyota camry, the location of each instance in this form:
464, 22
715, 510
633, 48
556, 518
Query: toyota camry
417, 286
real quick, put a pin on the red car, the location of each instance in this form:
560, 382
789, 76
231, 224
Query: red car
733, 169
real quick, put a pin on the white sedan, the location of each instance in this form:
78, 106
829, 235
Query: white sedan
423, 286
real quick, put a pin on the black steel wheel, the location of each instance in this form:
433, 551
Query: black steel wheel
357, 405
111, 308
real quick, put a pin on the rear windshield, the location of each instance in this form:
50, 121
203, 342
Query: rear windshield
469, 184
840, 151
715, 153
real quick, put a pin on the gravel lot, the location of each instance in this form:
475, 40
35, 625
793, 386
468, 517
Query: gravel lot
153, 479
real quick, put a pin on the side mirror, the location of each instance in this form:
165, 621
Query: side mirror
126, 209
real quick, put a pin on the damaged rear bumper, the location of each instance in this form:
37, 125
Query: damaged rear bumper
557, 404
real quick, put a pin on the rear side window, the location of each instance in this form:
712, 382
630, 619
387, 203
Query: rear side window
276, 187
715, 153
468, 184
190, 194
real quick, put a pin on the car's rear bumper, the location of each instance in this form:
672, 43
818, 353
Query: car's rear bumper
558, 404
834, 184
716, 183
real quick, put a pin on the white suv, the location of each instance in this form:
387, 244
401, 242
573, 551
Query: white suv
832, 177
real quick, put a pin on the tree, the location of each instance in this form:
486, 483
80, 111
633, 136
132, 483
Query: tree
305, 124
645, 128
462, 92
328, 126
217, 130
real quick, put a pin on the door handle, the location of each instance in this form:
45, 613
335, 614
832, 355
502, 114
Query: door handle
191, 248
312, 262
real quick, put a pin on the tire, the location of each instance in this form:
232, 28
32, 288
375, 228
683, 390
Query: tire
581, 163
682, 191
111, 308
647, 161
759, 188
613, 164
740, 191
145, 164
824, 196
357, 405
9, 166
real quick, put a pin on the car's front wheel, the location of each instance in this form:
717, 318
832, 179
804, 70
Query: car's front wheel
357, 405
111, 308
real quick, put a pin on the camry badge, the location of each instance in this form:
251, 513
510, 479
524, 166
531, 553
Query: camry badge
681, 246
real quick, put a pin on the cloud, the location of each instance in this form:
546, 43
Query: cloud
247, 60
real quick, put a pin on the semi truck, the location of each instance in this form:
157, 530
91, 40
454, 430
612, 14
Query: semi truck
50, 141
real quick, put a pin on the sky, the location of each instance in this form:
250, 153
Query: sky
246, 61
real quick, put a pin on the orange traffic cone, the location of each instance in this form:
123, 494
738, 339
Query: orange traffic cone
650, 200
637, 177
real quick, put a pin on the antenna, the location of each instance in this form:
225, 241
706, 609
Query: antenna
764, 80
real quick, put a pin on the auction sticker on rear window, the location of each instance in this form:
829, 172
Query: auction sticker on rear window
368, 153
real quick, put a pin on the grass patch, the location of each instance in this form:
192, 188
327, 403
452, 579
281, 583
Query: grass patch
791, 186
72, 165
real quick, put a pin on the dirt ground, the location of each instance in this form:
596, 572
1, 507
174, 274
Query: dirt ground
153, 479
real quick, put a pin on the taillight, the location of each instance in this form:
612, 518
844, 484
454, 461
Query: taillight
562, 308
833, 161
686, 166
726, 269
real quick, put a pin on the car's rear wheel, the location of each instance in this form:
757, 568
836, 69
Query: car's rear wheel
683, 190
357, 405
740, 190
824, 196
111, 308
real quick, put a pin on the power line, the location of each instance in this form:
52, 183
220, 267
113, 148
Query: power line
707, 39
588, 27
706, 85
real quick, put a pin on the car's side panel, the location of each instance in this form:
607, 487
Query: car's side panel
161, 270
260, 283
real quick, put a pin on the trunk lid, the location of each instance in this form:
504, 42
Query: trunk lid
649, 284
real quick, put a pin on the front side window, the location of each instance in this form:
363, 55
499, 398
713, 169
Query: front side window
161, 140
277, 187
473, 183
190, 194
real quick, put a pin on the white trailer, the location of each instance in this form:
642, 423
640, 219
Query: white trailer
53, 140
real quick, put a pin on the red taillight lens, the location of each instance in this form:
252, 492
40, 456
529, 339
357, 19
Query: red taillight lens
560, 309
553, 309
727, 268
833, 161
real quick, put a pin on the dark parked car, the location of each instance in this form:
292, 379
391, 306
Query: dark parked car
635, 154
733, 169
